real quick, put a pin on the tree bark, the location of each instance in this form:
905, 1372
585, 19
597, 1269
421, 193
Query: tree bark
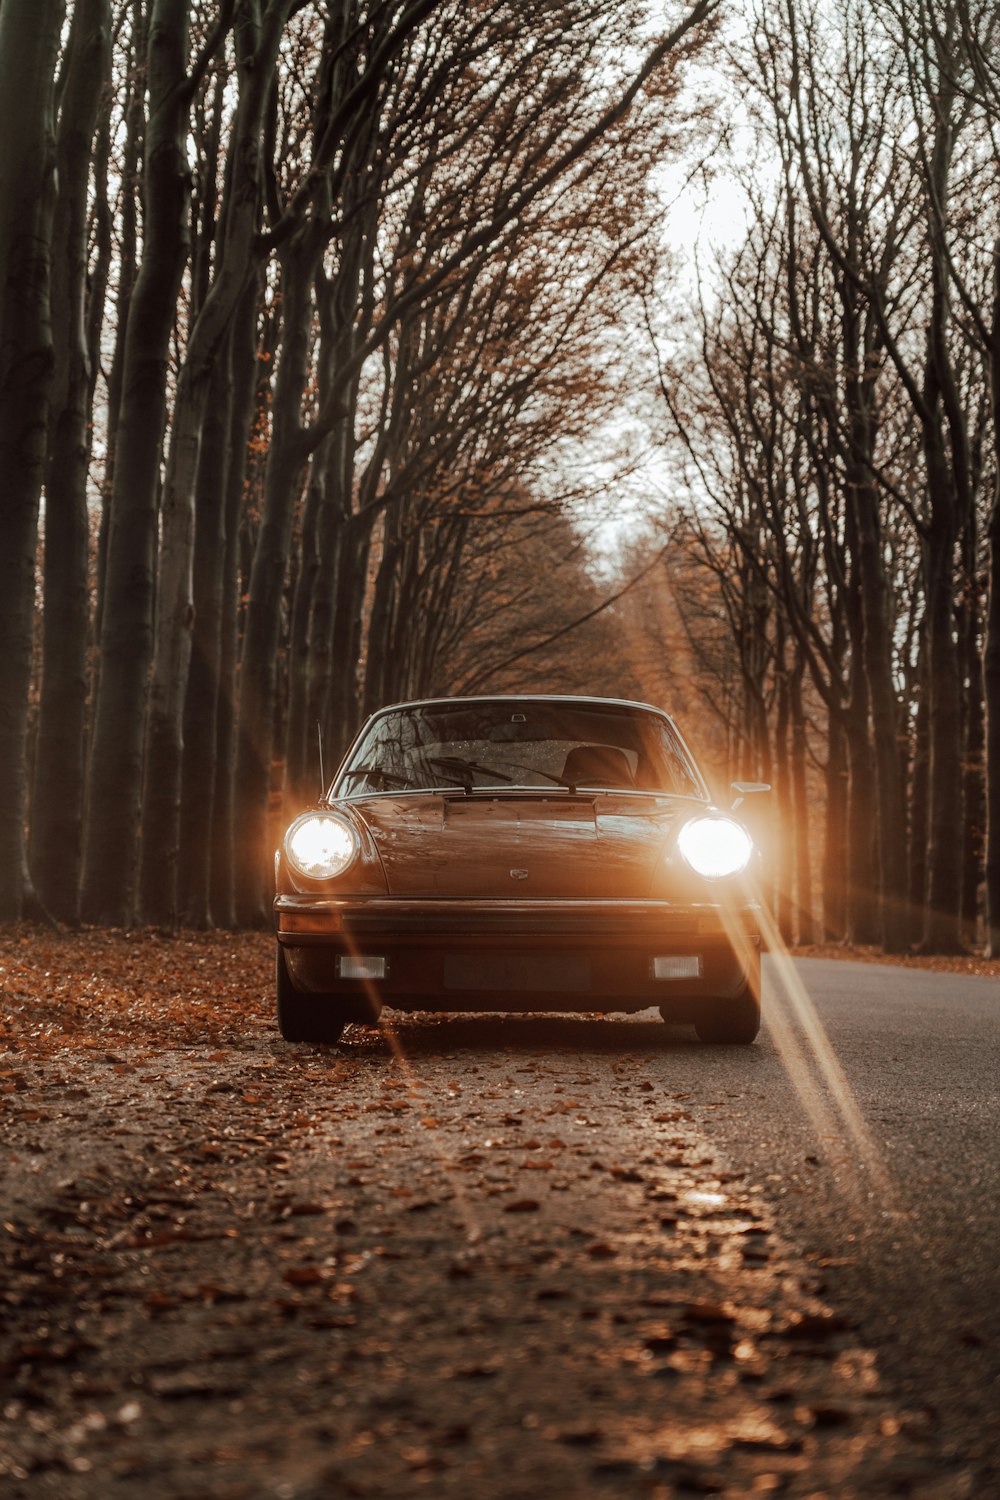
116, 756
863, 925
919, 797
127, 271
783, 822
991, 644
219, 833
835, 842
257, 49
301, 732
262, 624
57, 796
29, 39
948, 500
805, 925
203, 682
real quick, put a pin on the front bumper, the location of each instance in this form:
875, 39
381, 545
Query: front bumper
452, 954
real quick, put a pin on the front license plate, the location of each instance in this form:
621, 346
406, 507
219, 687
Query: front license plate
551, 972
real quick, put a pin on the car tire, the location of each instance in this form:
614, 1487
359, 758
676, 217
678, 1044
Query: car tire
732, 1023
302, 1018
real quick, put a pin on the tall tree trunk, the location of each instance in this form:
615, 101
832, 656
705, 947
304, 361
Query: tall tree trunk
348, 622
127, 271
872, 635
379, 688
835, 841
57, 798
288, 452
991, 646
863, 925
335, 533
973, 734
244, 373
301, 732
919, 796
876, 646
942, 932
202, 693
949, 491
784, 821
947, 501
115, 777
234, 269
29, 39
805, 921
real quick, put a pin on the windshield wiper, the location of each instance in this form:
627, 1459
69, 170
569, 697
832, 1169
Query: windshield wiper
463, 770
384, 776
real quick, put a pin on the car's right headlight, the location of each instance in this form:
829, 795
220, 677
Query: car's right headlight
715, 847
321, 846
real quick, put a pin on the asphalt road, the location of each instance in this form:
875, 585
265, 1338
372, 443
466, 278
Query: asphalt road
901, 1218
522, 1258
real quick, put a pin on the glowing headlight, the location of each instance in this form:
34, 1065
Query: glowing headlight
715, 847
320, 846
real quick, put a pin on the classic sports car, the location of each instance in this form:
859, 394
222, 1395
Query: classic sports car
518, 854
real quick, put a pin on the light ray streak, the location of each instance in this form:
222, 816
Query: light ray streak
416, 1089
816, 1074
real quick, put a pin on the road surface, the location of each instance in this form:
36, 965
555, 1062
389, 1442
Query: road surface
521, 1258
917, 1266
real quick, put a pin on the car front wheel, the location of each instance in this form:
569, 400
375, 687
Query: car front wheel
730, 1022
303, 1018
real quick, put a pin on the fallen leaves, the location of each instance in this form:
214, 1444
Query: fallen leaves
101, 990
304, 1250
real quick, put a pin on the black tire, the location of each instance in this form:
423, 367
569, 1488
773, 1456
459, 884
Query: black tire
733, 1023
303, 1018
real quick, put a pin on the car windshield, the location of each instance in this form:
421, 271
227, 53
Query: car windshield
513, 743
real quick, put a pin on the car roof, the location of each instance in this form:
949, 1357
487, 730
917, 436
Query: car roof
578, 698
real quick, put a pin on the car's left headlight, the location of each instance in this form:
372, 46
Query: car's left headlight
715, 847
321, 846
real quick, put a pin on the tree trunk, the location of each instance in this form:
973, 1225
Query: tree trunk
116, 756
805, 921
973, 736
29, 39
919, 796
872, 634
863, 925
890, 791
300, 737
288, 452
783, 822
234, 269
991, 645
127, 271
378, 689
835, 843
219, 834
942, 932
991, 691
202, 694
57, 798
348, 620
335, 533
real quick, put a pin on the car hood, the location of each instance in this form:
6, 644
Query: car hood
512, 846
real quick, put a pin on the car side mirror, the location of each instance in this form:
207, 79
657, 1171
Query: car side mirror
752, 805
741, 790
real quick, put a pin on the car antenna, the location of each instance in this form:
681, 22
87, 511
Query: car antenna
322, 778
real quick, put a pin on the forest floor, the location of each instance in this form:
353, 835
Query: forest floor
450, 1257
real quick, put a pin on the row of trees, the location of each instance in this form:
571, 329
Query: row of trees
307, 309
840, 426
311, 332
